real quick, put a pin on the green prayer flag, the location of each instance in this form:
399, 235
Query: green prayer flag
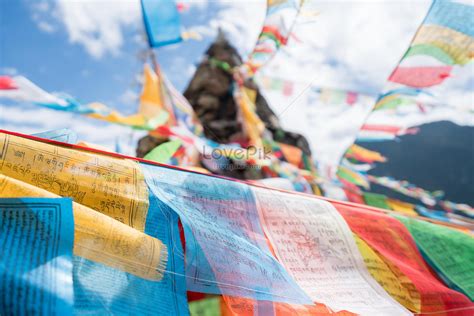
450, 252
377, 200
164, 152
158, 120
206, 307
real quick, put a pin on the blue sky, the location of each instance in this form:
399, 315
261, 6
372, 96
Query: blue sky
51, 61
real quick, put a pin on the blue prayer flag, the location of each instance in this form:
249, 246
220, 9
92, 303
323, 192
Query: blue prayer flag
64, 135
162, 22
226, 251
37, 236
99, 288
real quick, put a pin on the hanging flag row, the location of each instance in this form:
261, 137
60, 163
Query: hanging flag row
107, 238
20, 89
326, 95
421, 128
279, 20
359, 187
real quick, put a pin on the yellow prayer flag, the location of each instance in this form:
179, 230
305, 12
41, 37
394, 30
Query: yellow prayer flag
102, 239
113, 186
137, 120
402, 207
151, 99
390, 278
253, 125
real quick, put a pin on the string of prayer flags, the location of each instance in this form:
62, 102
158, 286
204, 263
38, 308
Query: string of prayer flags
269, 83
420, 103
21, 89
380, 132
279, 21
334, 97
404, 187
109, 254
408, 189
324, 95
322, 114
26, 91
116, 267
162, 22
393, 242
37, 236
349, 179
267, 252
458, 207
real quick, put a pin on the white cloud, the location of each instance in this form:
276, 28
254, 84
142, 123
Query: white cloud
98, 25
350, 45
9, 71
241, 22
329, 127
85, 72
42, 6
190, 70
43, 16
46, 27
129, 97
